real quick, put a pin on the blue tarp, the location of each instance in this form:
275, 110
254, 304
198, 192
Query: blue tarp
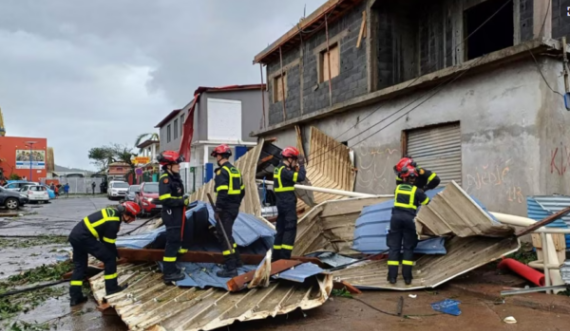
374, 222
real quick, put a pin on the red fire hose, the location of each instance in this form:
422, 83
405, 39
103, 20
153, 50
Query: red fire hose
523, 270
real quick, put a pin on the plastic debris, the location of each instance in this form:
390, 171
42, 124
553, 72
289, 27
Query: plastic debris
413, 296
510, 320
447, 306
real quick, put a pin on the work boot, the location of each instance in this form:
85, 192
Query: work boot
239, 262
116, 289
229, 270
173, 277
275, 255
392, 274
407, 274
77, 300
408, 281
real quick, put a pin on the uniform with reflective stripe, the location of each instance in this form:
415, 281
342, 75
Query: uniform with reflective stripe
171, 195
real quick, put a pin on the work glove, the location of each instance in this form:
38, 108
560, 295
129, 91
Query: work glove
186, 198
301, 161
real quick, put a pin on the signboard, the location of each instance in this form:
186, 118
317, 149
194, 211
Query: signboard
138, 171
141, 160
25, 158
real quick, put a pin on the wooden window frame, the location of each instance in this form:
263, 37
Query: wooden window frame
276, 82
323, 71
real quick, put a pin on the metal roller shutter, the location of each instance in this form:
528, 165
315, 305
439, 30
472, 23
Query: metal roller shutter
438, 149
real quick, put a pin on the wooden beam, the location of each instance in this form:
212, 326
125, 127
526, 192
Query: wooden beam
238, 283
543, 222
362, 29
156, 255
265, 159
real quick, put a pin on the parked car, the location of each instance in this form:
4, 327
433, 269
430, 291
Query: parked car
132, 192
11, 199
147, 198
16, 185
35, 193
50, 191
117, 190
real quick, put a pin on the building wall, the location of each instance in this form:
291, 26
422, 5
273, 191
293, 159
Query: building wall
511, 126
174, 143
560, 19
305, 93
8, 147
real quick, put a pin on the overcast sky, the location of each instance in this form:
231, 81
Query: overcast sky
88, 73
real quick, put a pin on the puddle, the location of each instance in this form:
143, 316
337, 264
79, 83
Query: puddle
15, 260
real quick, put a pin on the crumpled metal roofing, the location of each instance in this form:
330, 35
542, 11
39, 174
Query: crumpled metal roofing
540, 207
149, 304
565, 272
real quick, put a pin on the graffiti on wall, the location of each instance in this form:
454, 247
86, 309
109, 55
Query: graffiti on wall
495, 177
560, 160
375, 173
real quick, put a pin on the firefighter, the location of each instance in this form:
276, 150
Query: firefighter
426, 180
96, 234
290, 171
230, 191
407, 198
173, 200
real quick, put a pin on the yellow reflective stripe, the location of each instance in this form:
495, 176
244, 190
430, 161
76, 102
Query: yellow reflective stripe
425, 202
280, 187
393, 262
295, 177
235, 245
110, 241
76, 283
242, 187
227, 252
111, 276
287, 247
169, 259
163, 175
182, 250
405, 262
231, 190
277, 247
165, 196
398, 179
90, 227
411, 194
222, 188
430, 178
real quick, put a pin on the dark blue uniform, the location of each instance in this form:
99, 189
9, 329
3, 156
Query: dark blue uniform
426, 180
171, 196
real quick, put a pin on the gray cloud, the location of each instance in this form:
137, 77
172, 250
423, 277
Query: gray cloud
87, 73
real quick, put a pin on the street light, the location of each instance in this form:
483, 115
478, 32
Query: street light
31, 144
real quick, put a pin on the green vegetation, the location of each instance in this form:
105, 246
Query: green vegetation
33, 241
525, 254
343, 292
23, 326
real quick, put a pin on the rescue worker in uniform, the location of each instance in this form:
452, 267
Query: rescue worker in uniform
230, 191
290, 171
173, 200
426, 180
96, 234
407, 198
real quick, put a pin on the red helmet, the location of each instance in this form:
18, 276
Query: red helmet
404, 162
223, 150
290, 152
132, 209
408, 171
169, 157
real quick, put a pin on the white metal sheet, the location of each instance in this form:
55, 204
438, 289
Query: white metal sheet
438, 149
224, 120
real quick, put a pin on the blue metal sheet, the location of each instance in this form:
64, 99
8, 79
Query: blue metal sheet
332, 259
540, 207
204, 275
374, 222
299, 273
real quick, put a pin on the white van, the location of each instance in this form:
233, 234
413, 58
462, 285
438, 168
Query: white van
117, 190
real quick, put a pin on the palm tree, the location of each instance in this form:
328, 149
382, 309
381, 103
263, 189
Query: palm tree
146, 136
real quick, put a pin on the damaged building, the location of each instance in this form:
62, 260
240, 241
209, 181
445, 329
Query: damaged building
472, 89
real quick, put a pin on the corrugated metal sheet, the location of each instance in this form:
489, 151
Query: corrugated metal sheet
540, 207
454, 212
565, 272
300, 273
329, 166
330, 226
438, 149
148, 304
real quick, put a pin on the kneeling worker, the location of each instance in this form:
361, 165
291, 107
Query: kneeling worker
290, 171
407, 198
230, 191
96, 235
426, 180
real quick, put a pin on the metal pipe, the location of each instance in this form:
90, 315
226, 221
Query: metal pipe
546, 261
332, 191
524, 221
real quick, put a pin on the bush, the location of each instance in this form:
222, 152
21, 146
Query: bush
14, 177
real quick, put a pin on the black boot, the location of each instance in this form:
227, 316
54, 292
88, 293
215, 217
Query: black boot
239, 262
76, 295
77, 300
174, 276
275, 255
407, 273
229, 270
116, 289
392, 274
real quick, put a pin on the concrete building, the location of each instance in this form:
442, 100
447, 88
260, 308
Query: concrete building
24, 156
472, 89
222, 115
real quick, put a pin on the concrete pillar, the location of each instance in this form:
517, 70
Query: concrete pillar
542, 19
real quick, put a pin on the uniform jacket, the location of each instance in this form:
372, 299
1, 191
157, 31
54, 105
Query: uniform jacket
229, 187
170, 194
284, 180
104, 225
407, 199
427, 180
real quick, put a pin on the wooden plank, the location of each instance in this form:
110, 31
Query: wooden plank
362, 29
543, 222
238, 283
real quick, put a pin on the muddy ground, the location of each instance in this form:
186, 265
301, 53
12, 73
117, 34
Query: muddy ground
46, 222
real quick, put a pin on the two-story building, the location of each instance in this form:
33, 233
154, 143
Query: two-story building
472, 89
216, 115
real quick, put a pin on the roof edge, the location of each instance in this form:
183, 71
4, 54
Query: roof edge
168, 118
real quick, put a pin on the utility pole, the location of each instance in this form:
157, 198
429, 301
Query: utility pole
31, 145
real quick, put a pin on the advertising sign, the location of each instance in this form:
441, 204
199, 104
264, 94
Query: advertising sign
141, 160
34, 158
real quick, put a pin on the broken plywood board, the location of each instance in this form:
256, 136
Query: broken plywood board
148, 304
453, 212
329, 166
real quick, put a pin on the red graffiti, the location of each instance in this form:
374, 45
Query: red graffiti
559, 162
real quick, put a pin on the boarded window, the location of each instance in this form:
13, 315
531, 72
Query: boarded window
334, 51
168, 137
279, 88
176, 129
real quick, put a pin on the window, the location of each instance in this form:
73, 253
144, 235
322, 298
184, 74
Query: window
176, 129
279, 88
168, 137
150, 188
334, 51
182, 124
494, 35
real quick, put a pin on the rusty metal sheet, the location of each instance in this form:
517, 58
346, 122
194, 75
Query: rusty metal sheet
149, 304
454, 212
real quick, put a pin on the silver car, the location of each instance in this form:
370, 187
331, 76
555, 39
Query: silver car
132, 192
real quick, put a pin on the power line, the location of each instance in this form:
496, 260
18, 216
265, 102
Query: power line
411, 83
542, 74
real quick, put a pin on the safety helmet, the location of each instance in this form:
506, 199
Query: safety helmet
290, 152
169, 157
408, 172
404, 162
222, 150
130, 208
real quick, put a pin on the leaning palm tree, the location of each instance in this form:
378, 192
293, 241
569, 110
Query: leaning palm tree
146, 136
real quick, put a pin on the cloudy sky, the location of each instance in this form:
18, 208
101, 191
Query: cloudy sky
88, 73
